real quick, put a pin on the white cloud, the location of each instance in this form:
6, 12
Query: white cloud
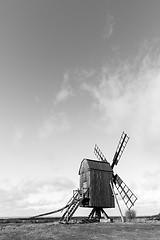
148, 193
53, 123
34, 196
66, 90
127, 96
18, 135
108, 30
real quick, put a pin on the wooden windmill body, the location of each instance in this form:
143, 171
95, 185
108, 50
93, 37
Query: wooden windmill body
95, 178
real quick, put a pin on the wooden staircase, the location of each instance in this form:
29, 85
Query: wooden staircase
73, 204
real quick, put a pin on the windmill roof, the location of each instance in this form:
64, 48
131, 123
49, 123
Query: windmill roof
88, 164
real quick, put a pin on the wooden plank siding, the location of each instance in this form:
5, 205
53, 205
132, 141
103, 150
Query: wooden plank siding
101, 194
96, 177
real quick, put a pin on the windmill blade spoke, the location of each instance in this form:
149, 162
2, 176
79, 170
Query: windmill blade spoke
127, 195
120, 148
99, 154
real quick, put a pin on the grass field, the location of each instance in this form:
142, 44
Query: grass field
100, 231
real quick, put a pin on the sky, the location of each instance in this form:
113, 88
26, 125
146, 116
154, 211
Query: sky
74, 74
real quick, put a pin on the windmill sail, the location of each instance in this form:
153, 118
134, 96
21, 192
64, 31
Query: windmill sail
99, 154
120, 148
127, 195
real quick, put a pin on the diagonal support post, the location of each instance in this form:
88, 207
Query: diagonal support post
122, 218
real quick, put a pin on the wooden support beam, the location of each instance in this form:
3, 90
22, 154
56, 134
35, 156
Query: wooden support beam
105, 214
117, 202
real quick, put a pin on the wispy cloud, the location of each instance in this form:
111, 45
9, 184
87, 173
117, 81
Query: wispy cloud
57, 121
66, 90
148, 193
18, 135
53, 123
33, 196
127, 95
108, 29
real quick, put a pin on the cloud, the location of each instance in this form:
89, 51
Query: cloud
66, 90
18, 135
53, 123
34, 195
57, 121
148, 193
127, 96
108, 30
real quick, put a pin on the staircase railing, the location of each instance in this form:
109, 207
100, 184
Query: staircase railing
73, 204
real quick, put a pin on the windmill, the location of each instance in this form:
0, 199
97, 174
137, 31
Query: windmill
97, 181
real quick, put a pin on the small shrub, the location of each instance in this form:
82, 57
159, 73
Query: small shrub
130, 215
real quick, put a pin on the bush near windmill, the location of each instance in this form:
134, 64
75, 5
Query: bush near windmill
130, 215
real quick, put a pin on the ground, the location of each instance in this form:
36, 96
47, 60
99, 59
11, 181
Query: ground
100, 231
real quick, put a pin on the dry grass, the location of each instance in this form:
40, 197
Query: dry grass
100, 231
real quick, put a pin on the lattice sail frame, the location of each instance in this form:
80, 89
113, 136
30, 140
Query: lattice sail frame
127, 195
120, 148
99, 154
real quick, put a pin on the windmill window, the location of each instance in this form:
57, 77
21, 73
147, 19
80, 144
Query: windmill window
85, 187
